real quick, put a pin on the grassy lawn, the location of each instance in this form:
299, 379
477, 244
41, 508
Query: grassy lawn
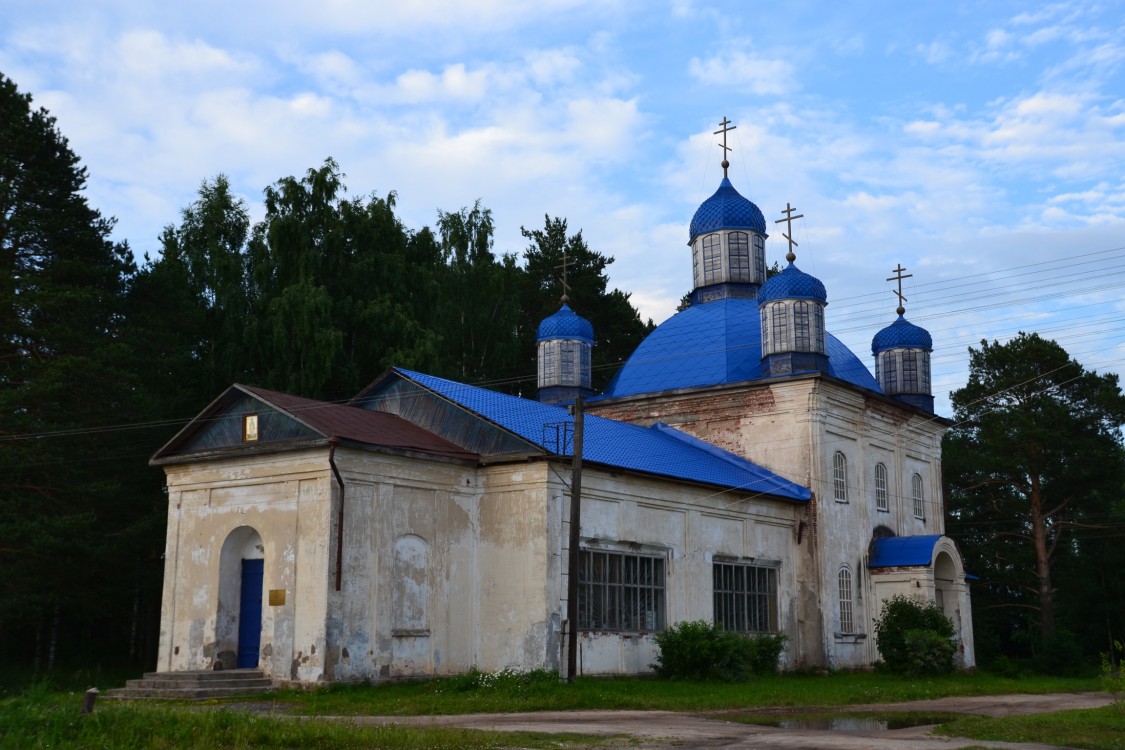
543, 692
1097, 729
41, 718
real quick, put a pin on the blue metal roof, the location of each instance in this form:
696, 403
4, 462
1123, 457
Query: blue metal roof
792, 283
566, 324
659, 450
726, 209
903, 551
715, 343
902, 333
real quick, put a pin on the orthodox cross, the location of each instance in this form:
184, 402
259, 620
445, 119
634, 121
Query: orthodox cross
789, 217
724, 130
899, 276
566, 264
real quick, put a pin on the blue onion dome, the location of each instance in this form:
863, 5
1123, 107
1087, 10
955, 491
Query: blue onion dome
566, 324
726, 209
792, 283
902, 334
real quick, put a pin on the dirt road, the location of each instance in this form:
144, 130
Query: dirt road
665, 730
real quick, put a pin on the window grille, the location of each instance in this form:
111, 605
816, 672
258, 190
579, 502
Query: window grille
910, 372
779, 337
759, 259
847, 620
889, 378
919, 500
619, 591
801, 326
745, 597
818, 329
548, 364
881, 487
739, 244
712, 259
765, 333
840, 477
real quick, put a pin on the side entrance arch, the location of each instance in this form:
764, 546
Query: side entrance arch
238, 622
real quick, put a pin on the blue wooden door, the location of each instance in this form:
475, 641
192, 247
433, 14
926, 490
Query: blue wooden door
250, 614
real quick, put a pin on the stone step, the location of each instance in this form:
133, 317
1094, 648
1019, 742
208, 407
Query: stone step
186, 693
194, 685
256, 683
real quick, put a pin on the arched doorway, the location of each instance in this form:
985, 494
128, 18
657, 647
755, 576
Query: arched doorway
238, 624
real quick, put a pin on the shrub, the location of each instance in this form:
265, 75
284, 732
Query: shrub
1059, 654
917, 654
699, 650
1113, 674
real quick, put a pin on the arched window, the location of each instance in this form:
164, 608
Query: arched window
916, 490
759, 259
739, 245
818, 329
712, 258
847, 620
765, 333
801, 326
881, 487
840, 477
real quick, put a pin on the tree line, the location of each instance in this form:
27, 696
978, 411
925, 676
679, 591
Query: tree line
103, 358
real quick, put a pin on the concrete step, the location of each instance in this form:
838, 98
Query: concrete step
196, 685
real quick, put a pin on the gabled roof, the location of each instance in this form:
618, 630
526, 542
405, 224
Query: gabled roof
286, 418
658, 450
903, 551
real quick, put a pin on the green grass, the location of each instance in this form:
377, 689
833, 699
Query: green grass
1096, 729
541, 691
42, 720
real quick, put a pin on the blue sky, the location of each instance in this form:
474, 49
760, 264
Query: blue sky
980, 145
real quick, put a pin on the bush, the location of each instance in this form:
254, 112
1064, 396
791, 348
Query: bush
914, 637
699, 650
1059, 655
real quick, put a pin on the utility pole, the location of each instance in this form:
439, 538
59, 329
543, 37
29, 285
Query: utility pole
575, 527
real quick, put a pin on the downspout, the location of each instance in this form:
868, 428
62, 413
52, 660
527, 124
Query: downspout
332, 443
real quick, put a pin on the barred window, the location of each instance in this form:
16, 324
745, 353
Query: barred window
916, 491
801, 326
779, 337
923, 372
910, 372
818, 329
548, 364
759, 259
840, 477
739, 245
765, 333
712, 259
847, 620
568, 356
619, 591
881, 487
889, 377
745, 597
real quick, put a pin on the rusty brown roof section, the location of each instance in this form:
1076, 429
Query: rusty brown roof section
361, 425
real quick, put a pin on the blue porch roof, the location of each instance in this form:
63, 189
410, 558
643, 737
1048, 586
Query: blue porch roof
903, 551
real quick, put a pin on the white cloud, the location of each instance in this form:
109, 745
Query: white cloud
746, 71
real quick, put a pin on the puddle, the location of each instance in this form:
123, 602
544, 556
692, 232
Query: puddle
844, 722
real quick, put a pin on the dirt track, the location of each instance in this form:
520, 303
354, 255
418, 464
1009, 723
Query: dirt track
663, 730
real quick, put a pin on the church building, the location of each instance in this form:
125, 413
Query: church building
743, 467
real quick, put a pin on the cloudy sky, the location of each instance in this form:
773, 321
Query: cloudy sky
980, 145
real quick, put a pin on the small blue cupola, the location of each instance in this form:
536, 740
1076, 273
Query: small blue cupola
566, 341
791, 306
902, 357
728, 243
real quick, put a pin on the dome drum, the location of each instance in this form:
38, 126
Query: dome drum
729, 256
791, 363
564, 370
904, 374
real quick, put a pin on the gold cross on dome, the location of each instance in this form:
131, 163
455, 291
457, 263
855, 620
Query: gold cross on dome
789, 217
566, 264
724, 129
899, 276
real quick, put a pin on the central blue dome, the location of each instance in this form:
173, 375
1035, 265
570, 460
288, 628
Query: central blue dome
715, 344
726, 209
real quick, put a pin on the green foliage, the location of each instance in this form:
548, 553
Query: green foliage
699, 650
1034, 466
914, 637
1059, 654
1113, 674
